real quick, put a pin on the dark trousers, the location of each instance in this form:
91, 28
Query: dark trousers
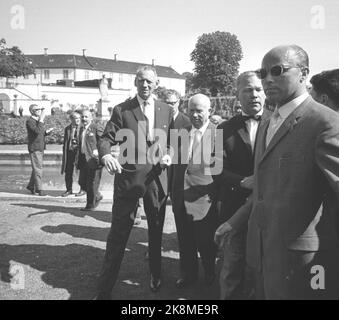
155, 206
89, 180
69, 169
233, 271
35, 182
202, 234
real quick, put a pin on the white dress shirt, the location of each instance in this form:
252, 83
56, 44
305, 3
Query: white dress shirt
149, 112
252, 127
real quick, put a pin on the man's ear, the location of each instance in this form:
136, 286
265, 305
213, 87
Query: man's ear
304, 73
324, 99
135, 81
157, 83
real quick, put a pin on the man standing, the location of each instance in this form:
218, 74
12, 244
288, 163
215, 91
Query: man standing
325, 88
36, 145
291, 242
70, 151
176, 177
239, 134
197, 205
138, 177
88, 162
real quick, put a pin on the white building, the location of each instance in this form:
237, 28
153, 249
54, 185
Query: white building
57, 76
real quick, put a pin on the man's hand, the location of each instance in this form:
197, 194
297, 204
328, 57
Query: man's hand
111, 164
247, 183
49, 130
165, 161
42, 115
221, 233
95, 153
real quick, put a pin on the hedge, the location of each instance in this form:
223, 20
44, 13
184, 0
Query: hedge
13, 130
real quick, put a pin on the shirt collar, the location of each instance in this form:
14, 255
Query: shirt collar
175, 115
260, 113
141, 101
202, 129
286, 109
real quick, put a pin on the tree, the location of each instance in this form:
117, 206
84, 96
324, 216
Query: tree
216, 57
13, 62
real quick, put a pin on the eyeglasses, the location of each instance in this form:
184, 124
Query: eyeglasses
172, 103
275, 71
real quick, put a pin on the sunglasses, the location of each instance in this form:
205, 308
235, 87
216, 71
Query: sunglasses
275, 71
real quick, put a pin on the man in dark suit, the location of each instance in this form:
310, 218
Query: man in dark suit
137, 122
36, 145
88, 160
291, 241
239, 135
176, 178
70, 151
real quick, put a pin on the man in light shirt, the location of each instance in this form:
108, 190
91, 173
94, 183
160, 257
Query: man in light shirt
291, 234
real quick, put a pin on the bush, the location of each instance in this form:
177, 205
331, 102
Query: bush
13, 130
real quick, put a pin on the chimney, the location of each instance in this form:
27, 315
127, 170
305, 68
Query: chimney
83, 52
115, 57
153, 62
45, 51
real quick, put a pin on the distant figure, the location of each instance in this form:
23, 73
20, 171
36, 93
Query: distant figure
36, 146
325, 88
216, 119
21, 110
88, 161
103, 88
70, 151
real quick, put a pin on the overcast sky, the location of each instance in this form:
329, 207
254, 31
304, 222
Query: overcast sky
142, 30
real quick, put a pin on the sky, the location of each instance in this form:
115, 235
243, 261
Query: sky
167, 30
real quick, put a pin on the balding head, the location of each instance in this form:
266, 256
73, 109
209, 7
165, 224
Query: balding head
199, 109
284, 73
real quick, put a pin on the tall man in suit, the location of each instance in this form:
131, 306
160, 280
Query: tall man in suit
195, 197
143, 120
88, 160
291, 242
36, 145
70, 151
175, 177
239, 135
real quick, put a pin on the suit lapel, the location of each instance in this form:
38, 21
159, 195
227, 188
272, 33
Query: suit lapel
138, 114
243, 133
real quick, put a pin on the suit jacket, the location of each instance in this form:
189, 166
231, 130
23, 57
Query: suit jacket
91, 142
66, 146
293, 177
199, 185
138, 172
36, 135
175, 179
238, 163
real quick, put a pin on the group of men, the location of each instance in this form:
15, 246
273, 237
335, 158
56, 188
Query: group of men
276, 174
79, 151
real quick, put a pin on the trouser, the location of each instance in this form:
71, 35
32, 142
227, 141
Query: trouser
89, 180
35, 182
234, 276
155, 207
202, 233
69, 169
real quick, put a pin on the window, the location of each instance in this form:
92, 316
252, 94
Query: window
25, 76
100, 74
86, 75
46, 74
66, 74
121, 77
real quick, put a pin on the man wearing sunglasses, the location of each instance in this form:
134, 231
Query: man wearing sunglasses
291, 241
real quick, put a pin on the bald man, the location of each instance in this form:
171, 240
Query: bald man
199, 190
291, 241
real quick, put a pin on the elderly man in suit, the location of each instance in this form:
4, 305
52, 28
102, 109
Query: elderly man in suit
196, 203
88, 160
142, 123
239, 136
70, 151
291, 242
36, 145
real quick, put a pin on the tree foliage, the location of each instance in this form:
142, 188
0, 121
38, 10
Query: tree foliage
13, 62
216, 57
